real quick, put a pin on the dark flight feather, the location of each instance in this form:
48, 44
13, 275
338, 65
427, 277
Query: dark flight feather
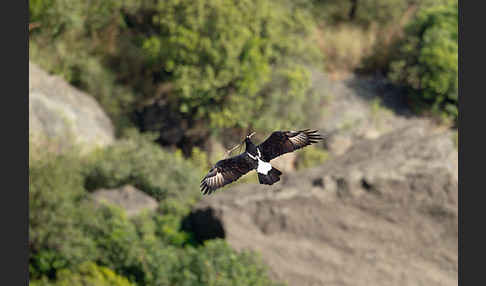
281, 142
226, 171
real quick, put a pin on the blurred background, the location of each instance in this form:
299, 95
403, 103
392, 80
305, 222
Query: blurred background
131, 102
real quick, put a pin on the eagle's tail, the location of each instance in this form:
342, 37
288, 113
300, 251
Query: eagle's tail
270, 178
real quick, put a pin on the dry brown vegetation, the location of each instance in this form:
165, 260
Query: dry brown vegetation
348, 47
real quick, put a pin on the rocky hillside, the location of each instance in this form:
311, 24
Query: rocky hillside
356, 108
384, 213
381, 211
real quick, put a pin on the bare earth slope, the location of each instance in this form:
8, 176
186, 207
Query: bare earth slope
384, 213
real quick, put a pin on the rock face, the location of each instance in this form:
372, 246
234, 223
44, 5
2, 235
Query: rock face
384, 213
132, 200
358, 108
65, 115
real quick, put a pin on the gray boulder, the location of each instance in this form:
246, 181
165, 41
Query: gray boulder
384, 213
61, 114
132, 200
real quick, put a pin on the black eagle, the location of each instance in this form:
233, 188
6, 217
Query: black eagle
258, 157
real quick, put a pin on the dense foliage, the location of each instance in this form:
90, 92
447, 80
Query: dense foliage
74, 241
86, 273
220, 54
213, 62
361, 12
365, 13
311, 156
76, 39
199, 66
56, 215
413, 42
428, 59
136, 160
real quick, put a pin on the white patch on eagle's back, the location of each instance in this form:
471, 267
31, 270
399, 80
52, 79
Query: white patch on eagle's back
263, 167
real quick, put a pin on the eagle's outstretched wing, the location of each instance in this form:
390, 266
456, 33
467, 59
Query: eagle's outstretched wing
281, 142
224, 172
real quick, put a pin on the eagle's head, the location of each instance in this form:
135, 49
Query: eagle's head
247, 138
250, 147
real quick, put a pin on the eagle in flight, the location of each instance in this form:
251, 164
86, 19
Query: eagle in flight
258, 157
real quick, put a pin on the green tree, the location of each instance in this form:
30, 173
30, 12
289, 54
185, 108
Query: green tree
75, 39
428, 59
244, 268
214, 263
361, 12
87, 273
219, 57
56, 216
139, 161
208, 64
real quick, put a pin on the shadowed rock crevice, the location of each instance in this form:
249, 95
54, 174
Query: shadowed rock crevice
204, 224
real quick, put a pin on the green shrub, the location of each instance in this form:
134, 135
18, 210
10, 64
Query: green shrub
56, 216
200, 158
115, 237
428, 62
38, 9
59, 16
66, 229
345, 46
311, 156
70, 57
164, 225
220, 56
366, 31
138, 161
216, 263
364, 13
75, 39
220, 62
87, 273
361, 12
161, 260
